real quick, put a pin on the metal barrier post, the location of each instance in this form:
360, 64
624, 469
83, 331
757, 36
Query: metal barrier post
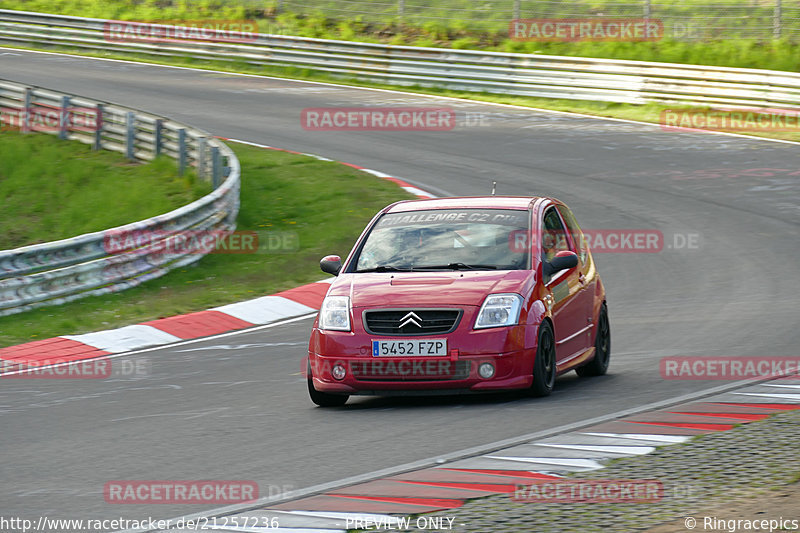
25, 126
201, 157
216, 167
181, 151
158, 137
63, 118
130, 135
98, 128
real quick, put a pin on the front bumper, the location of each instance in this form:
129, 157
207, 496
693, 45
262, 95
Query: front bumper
511, 350
377, 375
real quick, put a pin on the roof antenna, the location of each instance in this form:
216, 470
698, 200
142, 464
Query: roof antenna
494, 187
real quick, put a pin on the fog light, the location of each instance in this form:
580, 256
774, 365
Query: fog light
339, 372
486, 370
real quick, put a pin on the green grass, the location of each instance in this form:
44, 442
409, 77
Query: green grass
52, 189
324, 204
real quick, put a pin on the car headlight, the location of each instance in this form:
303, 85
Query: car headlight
335, 313
499, 310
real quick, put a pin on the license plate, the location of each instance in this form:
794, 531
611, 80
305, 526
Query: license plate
409, 348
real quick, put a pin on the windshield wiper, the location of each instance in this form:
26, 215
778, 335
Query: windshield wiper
384, 268
456, 266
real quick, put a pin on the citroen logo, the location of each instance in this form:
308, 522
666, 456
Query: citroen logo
411, 318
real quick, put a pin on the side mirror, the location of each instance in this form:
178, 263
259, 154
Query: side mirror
332, 264
562, 261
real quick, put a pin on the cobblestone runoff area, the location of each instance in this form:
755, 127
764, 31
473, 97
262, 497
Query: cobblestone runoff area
751, 470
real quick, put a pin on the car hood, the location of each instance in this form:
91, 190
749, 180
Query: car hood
429, 289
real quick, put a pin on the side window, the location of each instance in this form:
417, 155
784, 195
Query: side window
574, 230
553, 235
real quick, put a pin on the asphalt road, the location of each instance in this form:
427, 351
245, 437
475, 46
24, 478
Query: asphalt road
236, 407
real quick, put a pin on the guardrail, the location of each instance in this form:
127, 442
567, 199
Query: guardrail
125, 256
574, 78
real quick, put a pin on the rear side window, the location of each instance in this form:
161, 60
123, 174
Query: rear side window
575, 231
554, 236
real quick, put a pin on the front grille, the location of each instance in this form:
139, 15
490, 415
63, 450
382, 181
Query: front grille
411, 321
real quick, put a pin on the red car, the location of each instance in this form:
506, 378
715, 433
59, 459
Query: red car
456, 295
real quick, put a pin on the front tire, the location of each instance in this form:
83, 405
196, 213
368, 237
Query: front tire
602, 348
544, 367
324, 399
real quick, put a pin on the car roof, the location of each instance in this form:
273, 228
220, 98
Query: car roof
465, 202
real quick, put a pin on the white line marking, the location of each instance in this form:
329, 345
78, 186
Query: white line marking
301, 518
315, 156
265, 309
344, 515
779, 396
267, 529
187, 415
641, 436
378, 173
577, 463
418, 192
242, 346
125, 339
623, 450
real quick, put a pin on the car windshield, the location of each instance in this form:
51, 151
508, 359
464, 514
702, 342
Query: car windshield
446, 239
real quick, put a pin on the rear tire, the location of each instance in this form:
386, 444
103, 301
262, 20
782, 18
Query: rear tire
324, 399
544, 367
602, 348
